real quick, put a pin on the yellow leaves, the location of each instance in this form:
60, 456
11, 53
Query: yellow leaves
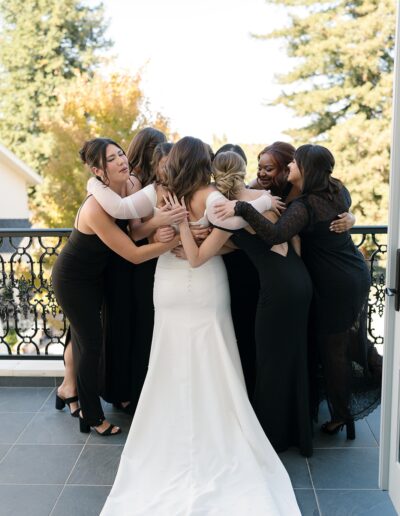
88, 107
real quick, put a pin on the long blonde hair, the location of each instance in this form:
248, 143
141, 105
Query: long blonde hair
229, 171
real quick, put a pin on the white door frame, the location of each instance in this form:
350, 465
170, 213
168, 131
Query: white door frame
389, 444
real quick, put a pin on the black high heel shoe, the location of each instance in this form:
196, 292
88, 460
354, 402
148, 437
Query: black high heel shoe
84, 427
61, 402
350, 429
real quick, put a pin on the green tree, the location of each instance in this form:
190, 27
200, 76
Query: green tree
88, 107
43, 45
341, 83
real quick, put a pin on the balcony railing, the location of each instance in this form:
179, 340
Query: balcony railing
33, 326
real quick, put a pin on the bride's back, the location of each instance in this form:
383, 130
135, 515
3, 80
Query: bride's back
197, 206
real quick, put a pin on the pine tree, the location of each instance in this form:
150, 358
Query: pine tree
43, 45
341, 83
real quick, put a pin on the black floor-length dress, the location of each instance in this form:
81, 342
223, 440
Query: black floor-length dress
78, 282
341, 280
281, 396
143, 280
118, 318
244, 286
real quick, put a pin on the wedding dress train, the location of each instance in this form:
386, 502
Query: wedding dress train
195, 447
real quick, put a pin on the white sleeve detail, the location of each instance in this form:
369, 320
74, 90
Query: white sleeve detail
134, 206
261, 204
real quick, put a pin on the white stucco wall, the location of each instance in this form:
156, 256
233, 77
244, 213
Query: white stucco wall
13, 194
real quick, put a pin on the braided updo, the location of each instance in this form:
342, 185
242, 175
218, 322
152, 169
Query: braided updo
229, 171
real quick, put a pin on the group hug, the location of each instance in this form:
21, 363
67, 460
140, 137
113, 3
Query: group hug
219, 314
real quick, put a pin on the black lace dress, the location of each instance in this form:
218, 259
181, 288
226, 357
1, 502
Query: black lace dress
350, 364
281, 396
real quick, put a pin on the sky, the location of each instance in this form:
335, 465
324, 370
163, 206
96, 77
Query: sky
202, 68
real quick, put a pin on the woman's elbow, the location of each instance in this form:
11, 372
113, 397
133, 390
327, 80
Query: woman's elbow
196, 262
137, 259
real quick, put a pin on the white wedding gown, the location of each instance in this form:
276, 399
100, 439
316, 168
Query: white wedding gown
195, 447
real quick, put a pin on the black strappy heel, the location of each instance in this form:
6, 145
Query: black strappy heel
61, 402
350, 429
84, 427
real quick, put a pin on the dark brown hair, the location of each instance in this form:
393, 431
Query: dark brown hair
140, 152
282, 154
93, 154
316, 164
188, 167
234, 148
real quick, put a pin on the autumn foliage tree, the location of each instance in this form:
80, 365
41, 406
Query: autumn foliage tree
112, 107
341, 83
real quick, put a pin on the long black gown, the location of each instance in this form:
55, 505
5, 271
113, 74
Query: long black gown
128, 319
78, 282
350, 364
143, 332
244, 286
119, 321
281, 396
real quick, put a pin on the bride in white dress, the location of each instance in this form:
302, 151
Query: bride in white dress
195, 447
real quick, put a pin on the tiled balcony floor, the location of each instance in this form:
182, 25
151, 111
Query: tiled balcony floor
48, 468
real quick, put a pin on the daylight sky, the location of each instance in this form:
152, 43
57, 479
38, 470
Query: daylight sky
201, 68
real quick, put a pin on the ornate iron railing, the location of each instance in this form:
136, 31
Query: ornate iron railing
33, 326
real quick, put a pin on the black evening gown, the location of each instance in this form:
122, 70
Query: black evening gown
244, 286
281, 396
128, 319
341, 280
78, 282
143, 331
118, 317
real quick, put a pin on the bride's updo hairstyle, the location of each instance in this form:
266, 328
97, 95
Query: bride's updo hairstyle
93, 154
316, 164
188, 167
229, 171
140, 153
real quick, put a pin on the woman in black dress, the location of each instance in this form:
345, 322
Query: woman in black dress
244, 288
280, 398
128, 312
141, 158
341, 283
78, 275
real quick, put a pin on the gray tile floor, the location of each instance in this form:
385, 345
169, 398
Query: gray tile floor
47, 467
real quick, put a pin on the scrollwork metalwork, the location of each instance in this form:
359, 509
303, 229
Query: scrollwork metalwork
31, 322
32, 325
